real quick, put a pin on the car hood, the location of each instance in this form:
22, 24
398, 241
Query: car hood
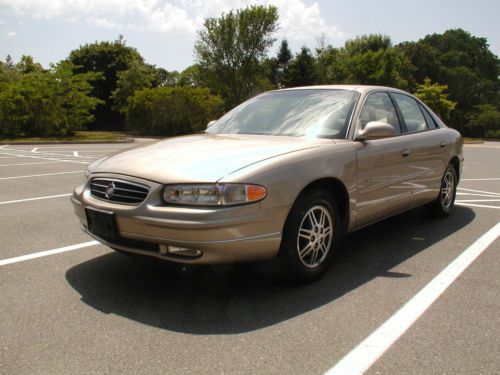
199, 158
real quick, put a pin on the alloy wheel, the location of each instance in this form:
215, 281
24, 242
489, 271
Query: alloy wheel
315, 235
447, 189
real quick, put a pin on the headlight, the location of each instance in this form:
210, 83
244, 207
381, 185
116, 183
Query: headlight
210, 195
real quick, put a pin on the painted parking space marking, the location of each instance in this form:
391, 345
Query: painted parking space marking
478, 200
363, 356
48, 153
481, 179
39, 175
45, 158
494, 197
480, 191
36, 198
477, 205
478, 195
45, 253
40, 162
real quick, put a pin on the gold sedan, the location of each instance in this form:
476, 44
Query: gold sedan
284, 174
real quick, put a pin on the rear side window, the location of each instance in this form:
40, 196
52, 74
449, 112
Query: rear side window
378, 107
412, 114
430, 121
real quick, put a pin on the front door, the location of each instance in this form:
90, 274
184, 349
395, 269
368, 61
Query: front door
383, 171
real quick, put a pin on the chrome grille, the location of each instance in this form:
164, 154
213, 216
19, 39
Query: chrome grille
118, 191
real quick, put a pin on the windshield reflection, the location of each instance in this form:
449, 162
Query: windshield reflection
312, 113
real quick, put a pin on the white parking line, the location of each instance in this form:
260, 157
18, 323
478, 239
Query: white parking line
50, 153
480, 191
38, 175
478, 195
40, 162
478, 200
36, 198
45, 158
478, 205
480, 179
47, 252
374, 346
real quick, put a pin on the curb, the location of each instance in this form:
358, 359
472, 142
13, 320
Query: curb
67, 142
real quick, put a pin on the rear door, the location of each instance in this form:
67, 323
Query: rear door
428, 145
383, 171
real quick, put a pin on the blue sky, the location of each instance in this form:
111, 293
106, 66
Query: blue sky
164, 31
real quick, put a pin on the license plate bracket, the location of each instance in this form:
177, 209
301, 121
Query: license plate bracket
102, 224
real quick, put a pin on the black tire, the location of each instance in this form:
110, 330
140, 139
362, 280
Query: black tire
306, 257
443, 204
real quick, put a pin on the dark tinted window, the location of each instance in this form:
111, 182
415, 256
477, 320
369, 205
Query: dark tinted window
378, 107
430, 121
314, 113
412, 115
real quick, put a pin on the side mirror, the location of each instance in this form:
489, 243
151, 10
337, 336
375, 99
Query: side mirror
376, 130
211, 123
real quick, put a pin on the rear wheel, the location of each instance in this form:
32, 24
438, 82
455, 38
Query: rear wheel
310, 235
443, 204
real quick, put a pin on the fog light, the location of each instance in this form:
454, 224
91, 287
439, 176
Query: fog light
182, 251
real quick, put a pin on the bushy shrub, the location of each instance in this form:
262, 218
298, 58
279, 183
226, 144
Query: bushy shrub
46, 103
484, 122
493, 134
170, 111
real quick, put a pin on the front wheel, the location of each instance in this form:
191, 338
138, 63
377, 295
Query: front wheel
310, 236
443, 204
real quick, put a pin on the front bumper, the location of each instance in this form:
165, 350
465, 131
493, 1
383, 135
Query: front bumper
221, 234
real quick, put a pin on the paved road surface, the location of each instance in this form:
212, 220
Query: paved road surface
92, 310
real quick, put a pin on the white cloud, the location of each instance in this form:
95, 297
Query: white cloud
171, 18
11, 34
298, 21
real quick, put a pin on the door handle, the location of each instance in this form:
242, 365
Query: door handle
406, 153
442, 144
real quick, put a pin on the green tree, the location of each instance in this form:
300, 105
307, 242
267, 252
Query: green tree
301, 70
170, 111
229, 48
435, 97
136, 77
371, 60
326, 58
53, 102
107, 58
165, 78
8, 73
190, 77
279, 66
459, 60
484, 122
28, 65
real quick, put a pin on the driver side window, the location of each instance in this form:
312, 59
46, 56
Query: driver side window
378, 107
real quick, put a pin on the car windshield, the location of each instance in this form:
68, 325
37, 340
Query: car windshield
313, 113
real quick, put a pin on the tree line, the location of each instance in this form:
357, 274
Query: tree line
109, 86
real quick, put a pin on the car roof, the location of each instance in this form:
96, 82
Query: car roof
359, 88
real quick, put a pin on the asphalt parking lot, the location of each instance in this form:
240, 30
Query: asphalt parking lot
71, 306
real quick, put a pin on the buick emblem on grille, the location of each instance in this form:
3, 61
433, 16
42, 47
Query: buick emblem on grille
110, 190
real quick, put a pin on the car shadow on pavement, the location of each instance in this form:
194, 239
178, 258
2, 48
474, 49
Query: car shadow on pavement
242, 298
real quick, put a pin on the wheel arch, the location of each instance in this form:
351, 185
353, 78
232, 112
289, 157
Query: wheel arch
456, 164
340, 195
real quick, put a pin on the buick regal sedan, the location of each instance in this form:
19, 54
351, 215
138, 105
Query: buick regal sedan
285, 174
